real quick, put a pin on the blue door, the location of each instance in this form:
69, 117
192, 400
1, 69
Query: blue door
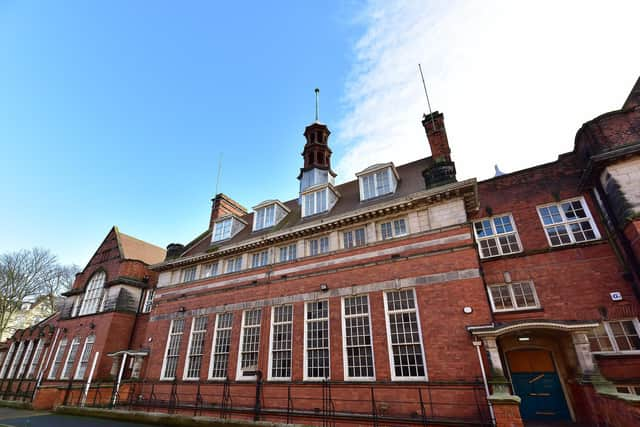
536, 382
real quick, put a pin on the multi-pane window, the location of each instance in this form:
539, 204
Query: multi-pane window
358, 348
81, 370
71, 358
7, 359
281, 338
288, 253
25, 360
404, 335
265, 217
234, 264
249, 343
196, 347
376, 184
57, 360
189, 274
317, 340
628, 389
36, 359
173, 349
513, 296
221, 346
616, 335
209, 270
391, 229
497, 236
318, 246
314, 203
222, 229
16, 359
353, 238
148, 300
260, 259
93, 294
568, 222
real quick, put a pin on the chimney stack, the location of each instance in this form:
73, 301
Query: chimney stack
442, 170
222, 205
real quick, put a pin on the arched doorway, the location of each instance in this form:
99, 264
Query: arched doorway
535, 380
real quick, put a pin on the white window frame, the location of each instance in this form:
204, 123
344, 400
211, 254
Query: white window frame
351, 236
305, 363
216, 333
16, 359
513, 297
222, 230
319, 243
495, 236
394, 232
239, 372
288, 250
612, 340
236, 265
395, 377
376, 188
36, 357
93, 298
57, 359
147, 304
7, 359
260, 259
85, 357
170, 335
312, 203
272, 337
345, 358
210, 269
567, 222
264, 217
189, 274
67, 367
25, 359
187, 359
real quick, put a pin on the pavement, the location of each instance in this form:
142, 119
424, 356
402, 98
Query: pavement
27, 418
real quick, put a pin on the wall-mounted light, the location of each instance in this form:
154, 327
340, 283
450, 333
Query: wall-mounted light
324, 287
524, 338
182, 309
467, 310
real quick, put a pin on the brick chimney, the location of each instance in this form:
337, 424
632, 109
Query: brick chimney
222, 205
442, 170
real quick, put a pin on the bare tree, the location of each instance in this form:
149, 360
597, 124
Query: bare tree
58, 281
24, 273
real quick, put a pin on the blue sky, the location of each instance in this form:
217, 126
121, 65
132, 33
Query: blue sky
115, 113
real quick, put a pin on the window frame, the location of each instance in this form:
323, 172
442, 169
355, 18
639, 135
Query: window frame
237, 264
496, 236
82, 355
313, 196
394, 234
73, 351
392, 366
210, 269
224, 234
239, 372
147, 302
270, 376
191, 271
513, 297
345, 358
59, 354
566, 222
262, 258
288, 251
170, 334
187, 359
261, 215
216, 332
95, 285
305, 362
374, 176
610, 335
25, 359
319, 240
354, 238
17, 356
35, 359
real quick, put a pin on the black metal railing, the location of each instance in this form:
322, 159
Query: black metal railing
326, 403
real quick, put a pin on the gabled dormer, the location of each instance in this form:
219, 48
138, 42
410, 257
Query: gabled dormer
268, 214
227, 226
318, 199
377, 180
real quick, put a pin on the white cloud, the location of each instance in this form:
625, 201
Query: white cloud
515, 81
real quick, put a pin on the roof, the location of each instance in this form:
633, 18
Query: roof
411, 181
136, 249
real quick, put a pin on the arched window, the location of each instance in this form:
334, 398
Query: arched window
93, 294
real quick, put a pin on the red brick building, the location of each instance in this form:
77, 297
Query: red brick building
401, 297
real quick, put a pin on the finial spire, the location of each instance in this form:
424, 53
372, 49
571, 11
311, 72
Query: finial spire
317, 104
433, 122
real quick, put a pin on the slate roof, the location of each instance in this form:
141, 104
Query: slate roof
136, 249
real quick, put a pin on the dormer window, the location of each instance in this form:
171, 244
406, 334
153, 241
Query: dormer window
377, 180
226, 228
268, 213
319, 199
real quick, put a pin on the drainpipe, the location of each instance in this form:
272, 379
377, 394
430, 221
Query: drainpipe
477, 345
115, 394
86, 388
